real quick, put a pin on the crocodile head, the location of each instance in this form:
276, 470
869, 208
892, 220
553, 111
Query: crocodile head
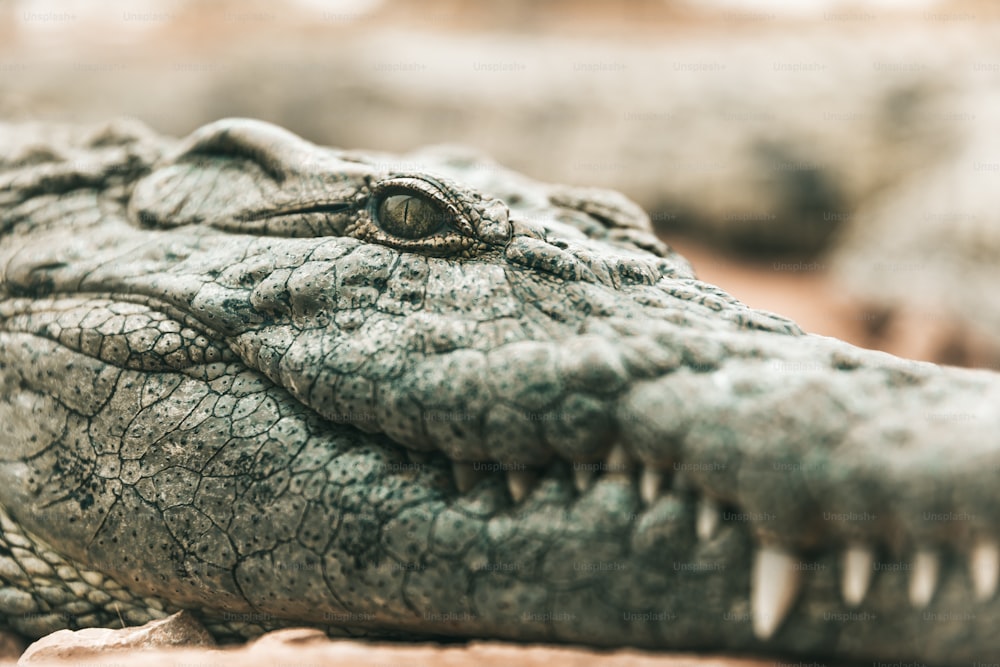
427, 395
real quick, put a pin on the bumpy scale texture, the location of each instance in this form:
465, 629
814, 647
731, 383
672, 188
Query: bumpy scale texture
275, 383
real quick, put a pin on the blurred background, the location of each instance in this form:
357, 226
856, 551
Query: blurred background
835, 162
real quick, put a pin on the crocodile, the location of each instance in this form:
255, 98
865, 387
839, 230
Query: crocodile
422, 395
926, 251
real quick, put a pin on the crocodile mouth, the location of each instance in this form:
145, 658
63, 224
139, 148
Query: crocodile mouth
777, 573
150, 335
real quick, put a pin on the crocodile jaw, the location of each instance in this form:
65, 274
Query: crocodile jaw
678, 457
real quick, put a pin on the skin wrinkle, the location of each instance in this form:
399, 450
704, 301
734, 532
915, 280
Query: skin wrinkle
319, 414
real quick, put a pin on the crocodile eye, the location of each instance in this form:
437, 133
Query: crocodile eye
410, 217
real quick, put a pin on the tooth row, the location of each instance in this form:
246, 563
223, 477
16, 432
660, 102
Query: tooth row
776, 575
467, 475
617, 464
776, 579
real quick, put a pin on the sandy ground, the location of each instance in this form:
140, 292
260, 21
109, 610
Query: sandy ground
303, 646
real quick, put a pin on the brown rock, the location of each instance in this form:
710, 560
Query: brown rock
178, 630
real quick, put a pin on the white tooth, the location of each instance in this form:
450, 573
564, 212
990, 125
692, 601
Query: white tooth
858, 566
618, 462
649, 485
583, 476
923, 579
520, 483
774, 587
707, 520
985, 565
466, 476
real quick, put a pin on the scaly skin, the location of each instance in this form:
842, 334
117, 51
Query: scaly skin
235, 382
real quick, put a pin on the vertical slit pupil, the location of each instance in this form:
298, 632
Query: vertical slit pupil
409, 216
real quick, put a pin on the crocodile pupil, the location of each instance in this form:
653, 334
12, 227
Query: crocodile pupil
409, 217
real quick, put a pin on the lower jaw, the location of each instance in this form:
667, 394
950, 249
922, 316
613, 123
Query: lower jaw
655, 584
600, 569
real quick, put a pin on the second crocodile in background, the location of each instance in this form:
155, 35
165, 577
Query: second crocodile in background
280, 384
